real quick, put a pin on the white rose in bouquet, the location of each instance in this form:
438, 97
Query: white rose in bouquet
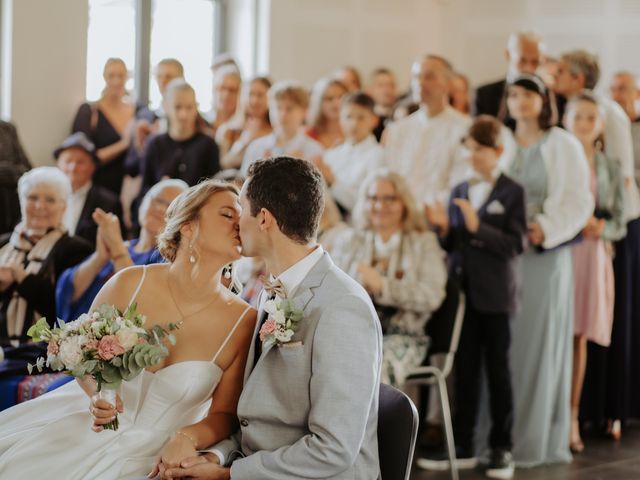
70, 353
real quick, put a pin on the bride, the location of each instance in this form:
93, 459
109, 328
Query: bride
185, 404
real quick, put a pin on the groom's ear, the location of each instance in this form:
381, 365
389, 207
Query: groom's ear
265, 219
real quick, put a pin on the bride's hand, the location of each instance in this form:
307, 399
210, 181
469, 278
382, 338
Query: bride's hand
176, 450
103, 412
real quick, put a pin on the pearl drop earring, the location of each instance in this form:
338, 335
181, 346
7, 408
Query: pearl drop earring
227, 272
192, 258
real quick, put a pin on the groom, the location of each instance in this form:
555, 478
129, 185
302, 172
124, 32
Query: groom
309, 406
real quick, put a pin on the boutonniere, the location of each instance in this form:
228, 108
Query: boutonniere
282, 322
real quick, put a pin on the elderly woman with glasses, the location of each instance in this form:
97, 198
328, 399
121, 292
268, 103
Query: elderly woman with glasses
34, 255
79, 285
399, 263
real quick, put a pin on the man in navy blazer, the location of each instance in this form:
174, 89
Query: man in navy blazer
76, 158
484, 231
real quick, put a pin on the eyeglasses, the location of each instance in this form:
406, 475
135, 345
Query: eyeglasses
160, 202
383, 199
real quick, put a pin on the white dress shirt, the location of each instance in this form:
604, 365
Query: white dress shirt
480, 188
350, 163
428, 153
618, 144
300, 143
293, 276
75, 204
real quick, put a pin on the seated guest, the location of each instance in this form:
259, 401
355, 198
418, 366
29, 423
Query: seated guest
34, 255
484, 231
183, 152
459, 93
109, 124
323, 119
152, 121
349, 77
345, 167
79, 285
76, 158
382, 88
13, 163
592, 262
288, 103
235, 141
331, 224
401, 266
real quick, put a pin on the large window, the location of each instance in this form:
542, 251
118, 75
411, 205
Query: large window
112, 33
181, 29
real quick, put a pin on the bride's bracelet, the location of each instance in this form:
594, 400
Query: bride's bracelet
195, 445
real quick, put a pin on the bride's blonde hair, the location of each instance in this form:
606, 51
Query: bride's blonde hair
186, 208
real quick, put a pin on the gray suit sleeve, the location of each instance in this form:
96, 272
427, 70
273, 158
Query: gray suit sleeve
226, 447
346, 374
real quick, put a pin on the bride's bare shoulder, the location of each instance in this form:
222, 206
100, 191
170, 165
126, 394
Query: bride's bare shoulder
119, 289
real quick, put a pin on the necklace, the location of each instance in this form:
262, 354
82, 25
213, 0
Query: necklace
173, 299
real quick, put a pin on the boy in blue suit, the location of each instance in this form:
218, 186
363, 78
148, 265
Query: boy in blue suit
484, 232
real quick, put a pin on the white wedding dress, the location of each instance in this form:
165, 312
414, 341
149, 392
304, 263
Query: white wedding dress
51, 436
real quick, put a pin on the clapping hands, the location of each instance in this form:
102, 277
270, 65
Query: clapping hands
437, 217
109, 242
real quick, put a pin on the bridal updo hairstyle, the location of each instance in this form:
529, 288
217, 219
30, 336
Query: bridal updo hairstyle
186, 208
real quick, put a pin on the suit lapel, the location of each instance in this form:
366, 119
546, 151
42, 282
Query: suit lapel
304, 294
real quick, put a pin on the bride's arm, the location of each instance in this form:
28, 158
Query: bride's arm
222, 420
113, 293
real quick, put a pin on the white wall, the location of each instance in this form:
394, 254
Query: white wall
46, 51
309, 38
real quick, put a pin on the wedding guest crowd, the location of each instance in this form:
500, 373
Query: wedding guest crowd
526, 188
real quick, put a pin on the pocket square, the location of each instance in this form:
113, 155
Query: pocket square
291, 344
495, 208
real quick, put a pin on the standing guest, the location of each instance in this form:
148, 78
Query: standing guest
223, 60
626, 92
13, 163
551, 166
109, 124
349, 77
79, 285
580, 70
288, 103
345, 167
592, 263
401, 266
32, 258
459, 93
485, 233
425, 146
524, 54
256, 122
77, 159
382, 88
183, 152
227, 83
323, 119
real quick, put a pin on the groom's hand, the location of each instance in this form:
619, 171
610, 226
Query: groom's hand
203, 467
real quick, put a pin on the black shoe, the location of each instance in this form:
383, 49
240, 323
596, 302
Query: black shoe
501, 465
439, 461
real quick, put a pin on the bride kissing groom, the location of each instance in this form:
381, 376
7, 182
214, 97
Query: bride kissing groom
300, 376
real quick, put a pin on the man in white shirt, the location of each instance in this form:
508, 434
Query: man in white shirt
76, 158
346, 166
288, 104
425, 146
579, 70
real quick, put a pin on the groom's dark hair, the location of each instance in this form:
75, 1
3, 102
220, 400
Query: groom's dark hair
292, 190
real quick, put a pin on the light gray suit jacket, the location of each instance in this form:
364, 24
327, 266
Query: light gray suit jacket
310, 409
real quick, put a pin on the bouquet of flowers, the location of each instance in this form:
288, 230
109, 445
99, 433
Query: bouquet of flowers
109, 345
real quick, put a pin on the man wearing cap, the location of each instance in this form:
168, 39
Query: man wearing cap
76, 158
